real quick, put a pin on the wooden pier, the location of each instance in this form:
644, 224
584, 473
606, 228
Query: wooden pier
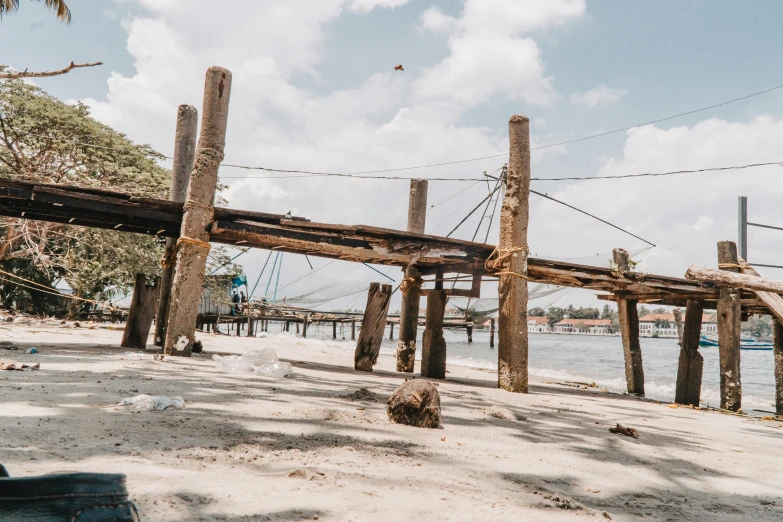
426, 259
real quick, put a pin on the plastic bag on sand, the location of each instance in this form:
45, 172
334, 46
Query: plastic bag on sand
153, 403
259, 362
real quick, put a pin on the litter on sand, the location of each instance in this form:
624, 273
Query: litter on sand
628, 432
11, 365
255, 362
153, 403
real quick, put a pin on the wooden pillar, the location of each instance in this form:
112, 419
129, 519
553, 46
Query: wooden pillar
628, 317
297, 327
492, 332
304, 325
334, 330
184, 152
193, 244
142, 311
353, 330
469, 330
411, 285
286, 325
678, 324
391, 331
691, 363
250, 325
373, 325
729, 323
512, 253
777, 336
433, 347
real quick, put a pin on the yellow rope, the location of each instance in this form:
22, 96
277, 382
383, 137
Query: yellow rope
195, 204
408, 283
496, 258
732, 265
193, 241
48, 290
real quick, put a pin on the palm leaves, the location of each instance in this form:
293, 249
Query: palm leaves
63, 13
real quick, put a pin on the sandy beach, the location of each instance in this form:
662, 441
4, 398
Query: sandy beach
319, 446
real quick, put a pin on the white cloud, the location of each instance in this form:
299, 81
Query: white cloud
490, 56
685, 215
365, 6
598, 96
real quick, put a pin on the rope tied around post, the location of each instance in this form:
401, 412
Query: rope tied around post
495, 261
409, 283
194, 241
740, 265
195, 204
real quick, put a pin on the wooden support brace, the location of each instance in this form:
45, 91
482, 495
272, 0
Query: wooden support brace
628, 317
691, 363
142, 311
729, 325
373, 325
193, 244
433, 351
513, 252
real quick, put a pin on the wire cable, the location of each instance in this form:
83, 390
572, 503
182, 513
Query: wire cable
653, 174
592, 216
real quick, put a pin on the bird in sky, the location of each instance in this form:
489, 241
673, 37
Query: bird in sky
398, 68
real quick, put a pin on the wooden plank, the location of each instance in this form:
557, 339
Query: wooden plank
373, 325
141, 313
691, 362
729, 319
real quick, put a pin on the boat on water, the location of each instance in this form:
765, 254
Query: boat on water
745, 344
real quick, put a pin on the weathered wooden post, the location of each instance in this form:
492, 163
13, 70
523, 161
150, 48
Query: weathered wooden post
677, 313
391, 331
469, 330
777, 337
411, 284
512, 253
691, 363
492, 332
142, 311
353, 330
304, 325
193, 244
433, 346
373, 325
628, 317
729, 324
184, 152
334, 330
250, 323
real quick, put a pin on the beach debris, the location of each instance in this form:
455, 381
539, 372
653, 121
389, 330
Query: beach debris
32, 350
628, 432
363, 394
499, 412
159, 357
606, 515
8, 346
198, 347
415, 403
256, 362
399, 67
153, 403
13, 366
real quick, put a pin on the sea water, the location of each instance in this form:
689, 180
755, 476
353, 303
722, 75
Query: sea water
599, 359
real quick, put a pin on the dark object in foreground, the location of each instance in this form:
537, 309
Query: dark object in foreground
415, 403
68, 497
628, 432
197, 347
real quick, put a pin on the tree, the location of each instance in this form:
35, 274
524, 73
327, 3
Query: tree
58, 6
643, 310
536, 312
555, 314
758, 327
46, 141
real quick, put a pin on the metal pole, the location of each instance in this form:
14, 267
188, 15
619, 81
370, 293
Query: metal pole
742, 243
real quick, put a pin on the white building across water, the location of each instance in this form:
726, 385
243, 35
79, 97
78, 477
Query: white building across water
663, 325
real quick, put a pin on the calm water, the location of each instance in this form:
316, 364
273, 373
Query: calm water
600, 359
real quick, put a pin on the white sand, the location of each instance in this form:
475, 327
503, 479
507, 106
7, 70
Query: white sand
248, 448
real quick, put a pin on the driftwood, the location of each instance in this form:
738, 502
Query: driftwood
628, 432
415, 403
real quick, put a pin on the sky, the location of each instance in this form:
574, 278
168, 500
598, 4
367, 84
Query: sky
314, 88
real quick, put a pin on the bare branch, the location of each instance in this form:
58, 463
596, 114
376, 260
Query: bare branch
43, 74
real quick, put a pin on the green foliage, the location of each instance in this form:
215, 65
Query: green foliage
58, 6
555, 314
536, 312
758, 327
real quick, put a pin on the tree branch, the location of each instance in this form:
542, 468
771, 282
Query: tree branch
43, 74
